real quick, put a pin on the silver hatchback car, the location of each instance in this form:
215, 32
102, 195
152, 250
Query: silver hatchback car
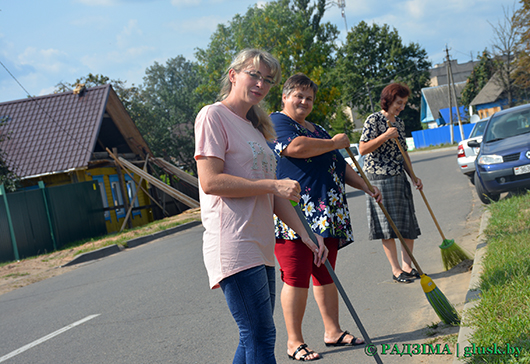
466, 154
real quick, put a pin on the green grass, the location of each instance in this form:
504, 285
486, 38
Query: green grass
502, 315
14, 275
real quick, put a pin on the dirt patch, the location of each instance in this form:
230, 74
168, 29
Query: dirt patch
22, 273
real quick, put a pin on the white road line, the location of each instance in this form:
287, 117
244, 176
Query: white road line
47, 337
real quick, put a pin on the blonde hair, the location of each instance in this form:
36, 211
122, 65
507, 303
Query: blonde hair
257, 116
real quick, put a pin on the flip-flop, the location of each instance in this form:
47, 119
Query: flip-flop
303, 356
339, 342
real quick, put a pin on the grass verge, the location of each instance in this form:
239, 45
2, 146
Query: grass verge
501, 319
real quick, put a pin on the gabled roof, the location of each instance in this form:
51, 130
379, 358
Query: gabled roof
491, 92
437, 98
59, 132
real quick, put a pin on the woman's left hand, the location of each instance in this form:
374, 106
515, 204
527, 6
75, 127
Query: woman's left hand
418, 184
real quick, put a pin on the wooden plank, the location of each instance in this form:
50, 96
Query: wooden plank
192, 180
185, 199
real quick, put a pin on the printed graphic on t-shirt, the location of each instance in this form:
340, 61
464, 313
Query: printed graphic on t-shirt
258, 153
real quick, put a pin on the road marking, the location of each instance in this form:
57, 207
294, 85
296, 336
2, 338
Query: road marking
47, 337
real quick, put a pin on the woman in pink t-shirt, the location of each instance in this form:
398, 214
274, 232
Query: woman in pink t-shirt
239, 194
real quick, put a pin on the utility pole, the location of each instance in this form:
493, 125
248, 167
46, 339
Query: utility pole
452, 90
342, 5
370, 96
450, 99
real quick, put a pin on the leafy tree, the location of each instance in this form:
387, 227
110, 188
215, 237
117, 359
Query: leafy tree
165, 107
124, 93
373, 57
522, 23
7, 177
292, 31
479, 77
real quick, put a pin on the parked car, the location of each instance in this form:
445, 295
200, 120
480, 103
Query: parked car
503, 161
466, 155
358, 157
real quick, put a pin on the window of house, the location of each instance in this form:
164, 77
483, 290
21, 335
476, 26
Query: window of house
131, 192
103, 191
117, 195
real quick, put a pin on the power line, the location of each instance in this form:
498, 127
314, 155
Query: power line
32, 98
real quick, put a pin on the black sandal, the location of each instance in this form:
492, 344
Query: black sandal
339, 342
413, 274
303, 356
402, 278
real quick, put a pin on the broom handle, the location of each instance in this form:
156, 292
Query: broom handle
337, 283
414, 178
394, 227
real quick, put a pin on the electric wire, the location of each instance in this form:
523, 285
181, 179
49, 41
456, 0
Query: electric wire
32, 98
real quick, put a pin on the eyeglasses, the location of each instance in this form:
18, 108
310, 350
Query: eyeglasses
258, 77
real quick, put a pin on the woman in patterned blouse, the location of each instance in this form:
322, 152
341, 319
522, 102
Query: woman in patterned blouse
308, 154
385, 168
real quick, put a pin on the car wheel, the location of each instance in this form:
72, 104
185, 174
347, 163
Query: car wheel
484, 195
471, 177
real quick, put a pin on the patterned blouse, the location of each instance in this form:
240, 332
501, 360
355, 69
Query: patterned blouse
321, 179
387, 159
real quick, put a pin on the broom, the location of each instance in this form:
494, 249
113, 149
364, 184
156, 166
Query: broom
452, 254
341, 290
441, 305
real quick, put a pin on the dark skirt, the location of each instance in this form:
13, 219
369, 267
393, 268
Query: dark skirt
397, 199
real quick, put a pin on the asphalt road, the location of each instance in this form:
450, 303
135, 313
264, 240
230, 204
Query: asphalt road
151, 304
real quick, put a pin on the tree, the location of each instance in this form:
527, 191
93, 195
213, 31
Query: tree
373, 57
522, 22
505, 48
7, 176
292, 31
479, 77
165, 107
124, 93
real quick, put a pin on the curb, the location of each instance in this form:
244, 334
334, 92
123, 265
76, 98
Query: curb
145, 239
113, 249
473, 293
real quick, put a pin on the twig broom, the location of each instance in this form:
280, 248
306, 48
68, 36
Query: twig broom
441, 305
452, 254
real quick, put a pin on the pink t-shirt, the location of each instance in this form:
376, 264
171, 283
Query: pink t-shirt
239, 231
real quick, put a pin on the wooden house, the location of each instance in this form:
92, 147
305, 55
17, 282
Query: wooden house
63, 138
491, 98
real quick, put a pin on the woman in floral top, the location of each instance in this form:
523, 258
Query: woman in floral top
308, 154
385, 168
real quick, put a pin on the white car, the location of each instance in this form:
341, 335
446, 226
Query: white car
358, 157
466, 155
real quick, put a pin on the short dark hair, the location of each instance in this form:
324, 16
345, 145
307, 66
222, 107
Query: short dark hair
389, 94
300, 81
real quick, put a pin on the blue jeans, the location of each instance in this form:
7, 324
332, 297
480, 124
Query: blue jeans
250, 296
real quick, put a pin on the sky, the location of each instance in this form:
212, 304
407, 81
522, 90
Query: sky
43, 43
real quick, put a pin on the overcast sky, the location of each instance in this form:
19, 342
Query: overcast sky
44, 42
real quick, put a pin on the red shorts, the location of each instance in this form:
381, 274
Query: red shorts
296, 262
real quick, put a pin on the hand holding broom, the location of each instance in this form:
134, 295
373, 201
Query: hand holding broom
443, 308
452, 254
341, 290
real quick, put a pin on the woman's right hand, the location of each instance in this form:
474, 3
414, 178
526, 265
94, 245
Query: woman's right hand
288, 188
391, 133
341, 141
320, 253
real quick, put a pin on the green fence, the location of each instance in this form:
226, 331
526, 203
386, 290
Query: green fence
43, 220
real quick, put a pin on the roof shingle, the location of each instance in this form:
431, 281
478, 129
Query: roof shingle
52, 133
